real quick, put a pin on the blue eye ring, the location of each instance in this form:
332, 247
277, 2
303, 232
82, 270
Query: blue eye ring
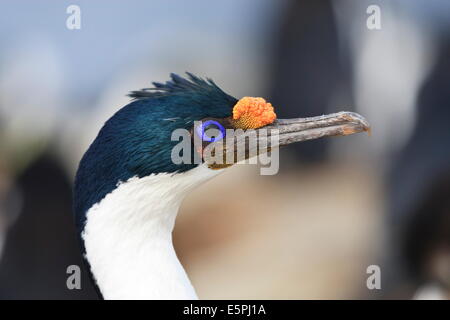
201, 131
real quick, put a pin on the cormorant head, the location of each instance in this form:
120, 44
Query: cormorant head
138, 139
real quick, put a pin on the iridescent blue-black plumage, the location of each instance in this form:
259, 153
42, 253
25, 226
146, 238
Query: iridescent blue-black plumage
136, 141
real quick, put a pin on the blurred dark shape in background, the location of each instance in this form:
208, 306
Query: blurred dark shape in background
42, 242
308, 70
419, 189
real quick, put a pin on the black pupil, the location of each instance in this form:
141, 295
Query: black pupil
211, 131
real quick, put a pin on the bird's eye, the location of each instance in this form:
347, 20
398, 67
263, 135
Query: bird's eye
210, 131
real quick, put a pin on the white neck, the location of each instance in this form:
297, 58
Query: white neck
128, 237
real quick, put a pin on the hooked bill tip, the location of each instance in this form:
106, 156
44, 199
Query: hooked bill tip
359, 120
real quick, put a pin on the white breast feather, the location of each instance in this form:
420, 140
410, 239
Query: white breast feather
128, 237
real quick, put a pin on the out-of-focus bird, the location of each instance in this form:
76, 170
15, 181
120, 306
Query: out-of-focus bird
128, 188
419, 190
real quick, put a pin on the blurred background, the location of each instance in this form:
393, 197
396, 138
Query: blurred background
337, 205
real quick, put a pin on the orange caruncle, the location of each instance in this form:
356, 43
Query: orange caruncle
252, 113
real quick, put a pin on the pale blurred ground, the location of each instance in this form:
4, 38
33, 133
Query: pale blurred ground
304, 235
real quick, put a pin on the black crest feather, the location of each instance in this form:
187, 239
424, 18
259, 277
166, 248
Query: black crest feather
177, 85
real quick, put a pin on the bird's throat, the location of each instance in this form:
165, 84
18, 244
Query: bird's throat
128, 238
